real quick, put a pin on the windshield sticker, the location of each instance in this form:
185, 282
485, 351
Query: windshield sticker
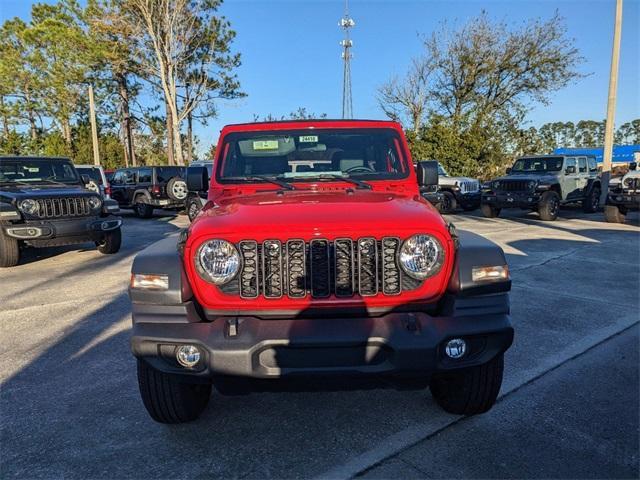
308, 139
265, 145
32, 169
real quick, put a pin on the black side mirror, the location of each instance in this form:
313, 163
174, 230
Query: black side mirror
570, 169
197, 179
633, 166
427, 173
85, 179
508, 170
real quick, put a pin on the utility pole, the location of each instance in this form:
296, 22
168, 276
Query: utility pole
346, 23
94, 126
611, 104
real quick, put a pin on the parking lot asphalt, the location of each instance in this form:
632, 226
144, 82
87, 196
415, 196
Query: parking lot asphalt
69, 405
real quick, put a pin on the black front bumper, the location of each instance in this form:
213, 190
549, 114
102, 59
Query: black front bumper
397, 343
511, 199
468, 200
62, 231
629, 200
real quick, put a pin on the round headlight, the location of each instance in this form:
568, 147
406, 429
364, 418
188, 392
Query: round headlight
532, 184
496, 185
28, 206
94, 202
421, 256
217, 261
628, 181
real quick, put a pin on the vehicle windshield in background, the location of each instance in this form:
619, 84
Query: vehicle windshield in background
442, 171
538, 165
37, 171
311, 155
92, 172
164, 174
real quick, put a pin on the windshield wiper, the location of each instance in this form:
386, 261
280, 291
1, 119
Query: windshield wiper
258, 178
331, 176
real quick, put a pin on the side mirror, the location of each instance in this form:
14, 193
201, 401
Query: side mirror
427, 173
85, 179
633, 166
508, 170
197, 179
570, 169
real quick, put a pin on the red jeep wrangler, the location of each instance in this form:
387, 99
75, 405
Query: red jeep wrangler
316, 255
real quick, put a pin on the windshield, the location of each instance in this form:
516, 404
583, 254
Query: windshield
312, 155
40, 170
538, 165
442, 171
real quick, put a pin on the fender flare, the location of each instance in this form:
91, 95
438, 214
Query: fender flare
144, 193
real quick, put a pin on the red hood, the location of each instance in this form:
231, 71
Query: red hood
309, 214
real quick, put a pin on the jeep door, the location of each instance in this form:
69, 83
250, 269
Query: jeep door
118, 188
582, 181
569, 180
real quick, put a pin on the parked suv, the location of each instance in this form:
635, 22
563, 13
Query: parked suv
624, 196
345, 271
457, 192
544, 183
146, 188
196, 200
97, 179
44, 202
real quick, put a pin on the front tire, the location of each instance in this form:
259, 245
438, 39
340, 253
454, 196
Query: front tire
469, 391
490, 211
448, 204
9, 251
110, 242
142, 209
613, 214
193, 207
549, 206
591, 202
169, 400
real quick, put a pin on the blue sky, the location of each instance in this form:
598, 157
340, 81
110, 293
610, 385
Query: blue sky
291, 55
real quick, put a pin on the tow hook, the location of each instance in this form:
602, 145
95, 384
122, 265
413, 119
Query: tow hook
232, 327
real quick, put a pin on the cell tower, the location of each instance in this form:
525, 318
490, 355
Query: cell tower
346, 23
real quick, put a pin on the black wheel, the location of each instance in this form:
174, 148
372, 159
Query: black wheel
142, 209
613, 214
490, 211
9, 251
470, 391
177, 189
110, 242
193, 207
549, 206
169, 399
591, 202
448, 204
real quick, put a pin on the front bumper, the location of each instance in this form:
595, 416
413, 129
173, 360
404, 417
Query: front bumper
629, 200
434, 198
74, 230
397, 343
511, 199
468, 200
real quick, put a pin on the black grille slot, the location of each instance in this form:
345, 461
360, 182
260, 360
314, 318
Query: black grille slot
514, 185
62, 207
296, 268
391, 277
249, 274
320, 268
344, 276
273, 278
367, 266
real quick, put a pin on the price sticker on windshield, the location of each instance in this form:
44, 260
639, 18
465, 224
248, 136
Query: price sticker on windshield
308, 139
265, 145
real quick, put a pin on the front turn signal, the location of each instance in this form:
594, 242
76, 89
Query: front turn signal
143, 281
490, 274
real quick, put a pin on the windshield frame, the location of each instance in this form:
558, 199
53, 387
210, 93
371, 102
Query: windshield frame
403, 156
539, 172
43, 160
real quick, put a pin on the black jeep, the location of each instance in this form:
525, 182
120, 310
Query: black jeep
146, 188
44, 202
196, 200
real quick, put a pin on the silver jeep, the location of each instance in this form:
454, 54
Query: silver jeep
544, 183
457, 192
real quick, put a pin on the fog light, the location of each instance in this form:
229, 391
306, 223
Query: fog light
188, 355
456, 348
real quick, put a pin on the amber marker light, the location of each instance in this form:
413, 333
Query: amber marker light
150, 281
489, 274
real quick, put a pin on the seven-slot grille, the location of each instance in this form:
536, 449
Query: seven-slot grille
63, 207
514, 185
320, 268
469, 186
